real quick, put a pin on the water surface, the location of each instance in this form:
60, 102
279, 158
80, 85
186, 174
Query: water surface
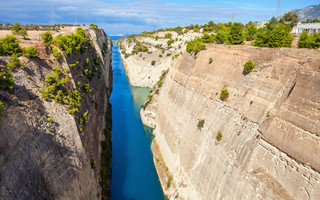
133, 173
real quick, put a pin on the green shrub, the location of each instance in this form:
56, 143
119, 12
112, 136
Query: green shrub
22, 67
206, 38
6, 80
277, 36
73, 65
309, 41
169, 42
94, 26
47, 38
251, 32
56, 54
219, 136
83, 119
220, 38
14, 61
268, 114
30, 52
85, 89
200, 124
50, 119
1, 109
224, 93
169, 181
195, 46
210, 60
168, 35
153, 62
248, 67
28, 76
9, 45
18, 30
73, 42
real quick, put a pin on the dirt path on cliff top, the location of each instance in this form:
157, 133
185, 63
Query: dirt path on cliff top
34, 37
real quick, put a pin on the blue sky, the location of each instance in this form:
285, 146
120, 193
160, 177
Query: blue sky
135, 16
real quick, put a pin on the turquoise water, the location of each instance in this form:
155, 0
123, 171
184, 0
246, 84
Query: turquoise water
133, 173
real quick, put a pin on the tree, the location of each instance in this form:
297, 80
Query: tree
224, 93
206, 38
251, 32
15, 29
248, 67
47, 38
220, 38
272, 23
290, 18
235, 33
281, 36
304, 40
18, 30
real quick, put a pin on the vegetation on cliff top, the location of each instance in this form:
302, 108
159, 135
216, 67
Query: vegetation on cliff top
309, 41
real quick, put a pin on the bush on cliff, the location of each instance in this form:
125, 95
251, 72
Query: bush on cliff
219, 136
248, 67
1, 109
6, 80
200, 124
72, 43
14, 61
224, 93
9, 45
30, 52
195, 46
47, 38
56, 54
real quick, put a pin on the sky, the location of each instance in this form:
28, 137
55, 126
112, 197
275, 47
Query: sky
135, 16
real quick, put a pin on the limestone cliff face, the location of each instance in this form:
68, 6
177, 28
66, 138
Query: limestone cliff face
43, 160
138, 66
269, 124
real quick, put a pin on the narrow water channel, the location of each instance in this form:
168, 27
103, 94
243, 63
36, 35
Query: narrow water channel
133, 173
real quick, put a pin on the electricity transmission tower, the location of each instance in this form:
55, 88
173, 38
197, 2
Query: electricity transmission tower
279, 8
52, 14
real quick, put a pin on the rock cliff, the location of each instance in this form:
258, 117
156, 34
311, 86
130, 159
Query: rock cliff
45, 152
269, 125
138, 64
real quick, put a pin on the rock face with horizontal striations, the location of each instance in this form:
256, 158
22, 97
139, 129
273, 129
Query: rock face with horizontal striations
53, 160
270, 125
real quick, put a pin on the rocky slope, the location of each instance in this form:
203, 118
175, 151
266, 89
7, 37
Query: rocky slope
138, 66
309, 12
269, 125
59, 159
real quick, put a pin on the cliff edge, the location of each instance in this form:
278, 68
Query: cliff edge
50, 141
259, 143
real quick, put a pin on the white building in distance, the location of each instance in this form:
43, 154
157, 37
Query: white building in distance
309, 28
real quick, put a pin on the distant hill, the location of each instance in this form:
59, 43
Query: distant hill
309, 12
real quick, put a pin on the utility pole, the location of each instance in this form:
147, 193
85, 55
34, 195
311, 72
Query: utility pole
279, 9
52, 14
76, 21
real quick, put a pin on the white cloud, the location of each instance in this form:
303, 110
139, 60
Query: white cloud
125, 16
